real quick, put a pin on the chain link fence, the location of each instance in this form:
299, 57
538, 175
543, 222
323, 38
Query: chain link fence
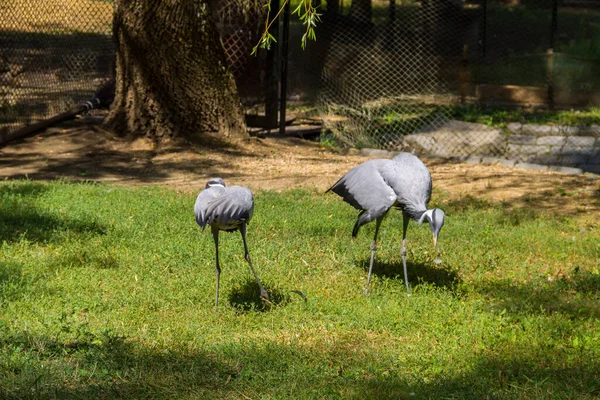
427, 76
392, 74
385, 74
53, 56
56, 54
239, 23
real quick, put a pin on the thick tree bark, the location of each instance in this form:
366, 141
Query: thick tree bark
172, 76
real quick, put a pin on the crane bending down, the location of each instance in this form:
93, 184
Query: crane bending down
375, 186
226, 208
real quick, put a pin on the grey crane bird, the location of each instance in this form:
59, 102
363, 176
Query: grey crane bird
375, 186
226, 208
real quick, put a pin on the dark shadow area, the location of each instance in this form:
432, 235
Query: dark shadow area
83, 150
417, 273
30, 189
123, 368
38, 106
11, 281
246, 297
23, 219
37, 227
15, 285
49, 44
496, 377
9, 270
464, 204
576, 294
161, 374
84, 154
44, 73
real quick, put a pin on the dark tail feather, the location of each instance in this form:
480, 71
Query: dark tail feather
334, 186
355, 230
363, 218
366, 217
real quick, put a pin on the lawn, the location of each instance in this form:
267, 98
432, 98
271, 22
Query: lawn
107, 292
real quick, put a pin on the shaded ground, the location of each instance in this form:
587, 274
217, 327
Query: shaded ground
82, 150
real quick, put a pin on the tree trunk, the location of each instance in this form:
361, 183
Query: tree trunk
171, 72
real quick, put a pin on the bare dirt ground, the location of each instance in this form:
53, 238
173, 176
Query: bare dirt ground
82, 150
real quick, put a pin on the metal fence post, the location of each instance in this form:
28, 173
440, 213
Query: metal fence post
272, 59
464, 75
550, 55
284, 67
554, 24
483, 32
550, 77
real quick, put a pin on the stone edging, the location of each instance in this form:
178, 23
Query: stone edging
487, 161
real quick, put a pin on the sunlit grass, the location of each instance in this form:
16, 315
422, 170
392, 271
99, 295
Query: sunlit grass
493, 116
107, 292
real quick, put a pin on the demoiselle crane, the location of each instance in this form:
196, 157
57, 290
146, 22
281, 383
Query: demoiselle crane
226, 208
375, 186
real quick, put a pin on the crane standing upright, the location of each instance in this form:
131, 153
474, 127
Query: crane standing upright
226, 208
375, 186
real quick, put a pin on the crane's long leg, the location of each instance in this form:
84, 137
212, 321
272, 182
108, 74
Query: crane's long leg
263, 292
215, 233
405, 220
373, 248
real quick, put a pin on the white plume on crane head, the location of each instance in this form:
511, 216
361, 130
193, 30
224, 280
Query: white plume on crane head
215, 182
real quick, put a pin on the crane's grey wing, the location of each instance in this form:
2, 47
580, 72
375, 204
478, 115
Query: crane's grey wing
202, 202
411, 181
233, 207
365, 189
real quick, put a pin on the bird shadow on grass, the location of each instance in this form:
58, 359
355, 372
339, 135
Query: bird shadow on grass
418, 273
246, 297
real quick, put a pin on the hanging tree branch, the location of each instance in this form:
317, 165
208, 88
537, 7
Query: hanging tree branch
306, 13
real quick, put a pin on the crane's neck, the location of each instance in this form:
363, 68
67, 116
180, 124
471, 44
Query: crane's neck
426, 215
417, 213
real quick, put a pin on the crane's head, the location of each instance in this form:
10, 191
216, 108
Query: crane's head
215, 182
435, 217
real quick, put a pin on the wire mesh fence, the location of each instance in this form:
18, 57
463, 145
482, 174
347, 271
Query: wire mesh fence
53, 55
56, 54
385, 74
239, 23
418, 76
391, 74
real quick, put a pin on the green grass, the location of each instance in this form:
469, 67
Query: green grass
107, 292
493, 116
399, 119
